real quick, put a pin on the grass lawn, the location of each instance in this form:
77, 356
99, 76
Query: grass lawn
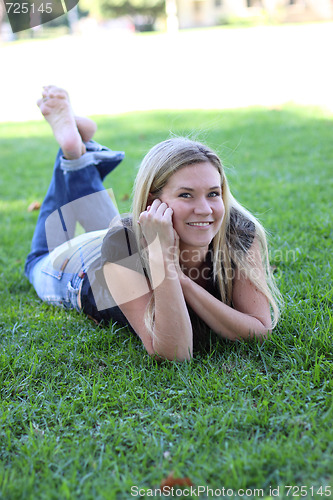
86, 414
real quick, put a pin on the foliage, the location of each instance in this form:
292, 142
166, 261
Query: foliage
86, 414
142, 12
131, 7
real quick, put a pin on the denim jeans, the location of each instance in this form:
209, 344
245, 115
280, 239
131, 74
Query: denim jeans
58, 261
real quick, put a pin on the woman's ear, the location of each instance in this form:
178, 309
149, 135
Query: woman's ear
150, 199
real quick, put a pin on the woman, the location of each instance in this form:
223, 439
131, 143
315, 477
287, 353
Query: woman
190, 258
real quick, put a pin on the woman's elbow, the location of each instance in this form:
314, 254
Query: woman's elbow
171, 355
264, 333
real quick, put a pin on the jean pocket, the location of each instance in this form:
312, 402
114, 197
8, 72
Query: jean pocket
57, 273
73, 291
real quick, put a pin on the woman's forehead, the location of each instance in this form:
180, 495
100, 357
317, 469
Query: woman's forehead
195, 174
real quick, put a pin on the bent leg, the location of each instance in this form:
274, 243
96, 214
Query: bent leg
76, 192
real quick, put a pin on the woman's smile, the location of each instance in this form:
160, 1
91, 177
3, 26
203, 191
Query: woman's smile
201, 225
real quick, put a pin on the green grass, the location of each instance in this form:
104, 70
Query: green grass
86, 414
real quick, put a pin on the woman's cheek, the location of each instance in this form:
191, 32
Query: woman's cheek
177, 218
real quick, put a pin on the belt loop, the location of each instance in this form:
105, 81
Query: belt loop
62, 268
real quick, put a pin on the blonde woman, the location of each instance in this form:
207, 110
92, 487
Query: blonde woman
189, 259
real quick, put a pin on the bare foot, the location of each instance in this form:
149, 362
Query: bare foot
86, 127
57, 111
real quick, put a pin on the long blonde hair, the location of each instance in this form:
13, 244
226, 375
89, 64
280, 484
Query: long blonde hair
228, 249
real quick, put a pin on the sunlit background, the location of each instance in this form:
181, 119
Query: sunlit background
181, 54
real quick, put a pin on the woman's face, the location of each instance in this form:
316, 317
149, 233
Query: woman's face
195, 195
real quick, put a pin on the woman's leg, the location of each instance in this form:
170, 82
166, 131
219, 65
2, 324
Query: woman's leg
76, 192
58, 275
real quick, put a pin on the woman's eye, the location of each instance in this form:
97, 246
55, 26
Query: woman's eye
214, 193
184, 195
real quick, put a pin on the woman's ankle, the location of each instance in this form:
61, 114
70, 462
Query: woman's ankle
86, 127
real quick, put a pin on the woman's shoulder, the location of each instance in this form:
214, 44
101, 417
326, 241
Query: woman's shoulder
120, 241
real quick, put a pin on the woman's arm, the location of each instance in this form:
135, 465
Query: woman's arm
250, 315
172, 336
172, 330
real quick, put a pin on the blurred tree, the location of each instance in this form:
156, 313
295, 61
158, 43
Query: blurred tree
143, 13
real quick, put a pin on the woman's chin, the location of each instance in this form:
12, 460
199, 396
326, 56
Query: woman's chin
194, 236
202, 242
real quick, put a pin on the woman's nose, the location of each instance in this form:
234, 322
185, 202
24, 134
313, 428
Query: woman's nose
202, 207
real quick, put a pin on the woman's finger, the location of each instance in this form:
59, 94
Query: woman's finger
161, 209
168, 213
154, 206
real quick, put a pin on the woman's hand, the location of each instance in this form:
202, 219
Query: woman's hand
172, 330
157, 228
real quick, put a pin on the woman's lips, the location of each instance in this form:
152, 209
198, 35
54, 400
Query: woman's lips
199, 224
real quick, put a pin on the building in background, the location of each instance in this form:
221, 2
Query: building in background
199, 13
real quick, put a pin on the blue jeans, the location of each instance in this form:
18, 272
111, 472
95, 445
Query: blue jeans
57, 262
